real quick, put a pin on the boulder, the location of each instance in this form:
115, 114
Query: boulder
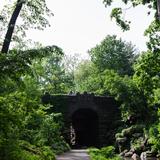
135, 157
158, 156
137, 135
132, 150
121, 140
143, 156
128, 154
123, 153
148, 155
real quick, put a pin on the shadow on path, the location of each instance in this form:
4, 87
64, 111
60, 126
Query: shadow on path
76, 154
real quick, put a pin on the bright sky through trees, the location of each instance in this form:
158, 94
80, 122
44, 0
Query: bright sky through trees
78, 25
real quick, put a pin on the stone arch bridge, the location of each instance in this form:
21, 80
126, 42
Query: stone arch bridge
89, 120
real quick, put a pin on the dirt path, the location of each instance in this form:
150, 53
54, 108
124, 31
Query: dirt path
76, 154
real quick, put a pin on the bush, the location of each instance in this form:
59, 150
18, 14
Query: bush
133, 129
154, 137
28, 132
105, 153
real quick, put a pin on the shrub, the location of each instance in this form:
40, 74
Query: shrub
154, 137
105, 153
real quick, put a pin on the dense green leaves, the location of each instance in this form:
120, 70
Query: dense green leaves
153, 33
154, 139
17, 62
105, 153
133, 102
147, 75
113, 53
87, 77
50, 73
26, 128
28, 131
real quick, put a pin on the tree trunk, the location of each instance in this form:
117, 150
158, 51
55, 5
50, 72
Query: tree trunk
11, 26
158, 8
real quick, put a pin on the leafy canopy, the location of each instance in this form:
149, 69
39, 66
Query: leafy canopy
18, 16
113, 53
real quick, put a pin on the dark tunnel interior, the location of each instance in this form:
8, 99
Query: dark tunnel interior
85, 124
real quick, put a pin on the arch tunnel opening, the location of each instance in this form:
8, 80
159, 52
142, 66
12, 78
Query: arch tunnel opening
85, 124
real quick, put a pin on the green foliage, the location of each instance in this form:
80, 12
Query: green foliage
147, 76
27, 132
139, 94
117, 13
132, 137
133, 129
28, 122
46, 69
153, 33
49, 72
156, 96
154, 140
144, 94
17, 63
137, 143
107, 2
125, 91
34, 14
105, 153
87, 78
36, 153
51, 75
50, 133
115, 54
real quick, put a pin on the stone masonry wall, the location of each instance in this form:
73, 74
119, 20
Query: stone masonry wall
106, 107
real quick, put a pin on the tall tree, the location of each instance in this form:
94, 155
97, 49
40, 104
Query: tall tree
11, 26
71, 63
32, 14
113, 53
50, 73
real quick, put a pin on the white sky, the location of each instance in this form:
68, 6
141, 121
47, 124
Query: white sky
78, 25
